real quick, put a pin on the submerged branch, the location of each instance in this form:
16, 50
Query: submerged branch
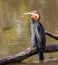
27, 53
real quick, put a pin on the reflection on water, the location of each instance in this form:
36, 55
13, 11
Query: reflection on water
15, 28
55, 62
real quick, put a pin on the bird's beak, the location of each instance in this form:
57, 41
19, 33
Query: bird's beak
30, 13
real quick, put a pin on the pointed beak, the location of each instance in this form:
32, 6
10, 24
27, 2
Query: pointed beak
30, 13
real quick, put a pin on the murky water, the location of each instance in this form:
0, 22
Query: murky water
45, 63
15, 28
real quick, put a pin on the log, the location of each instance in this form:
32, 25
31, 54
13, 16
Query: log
26, 53
51, 35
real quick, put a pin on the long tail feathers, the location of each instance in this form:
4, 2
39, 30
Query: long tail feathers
41, 56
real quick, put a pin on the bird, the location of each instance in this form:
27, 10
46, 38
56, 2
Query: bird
38, 37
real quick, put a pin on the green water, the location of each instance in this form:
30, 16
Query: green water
15, 28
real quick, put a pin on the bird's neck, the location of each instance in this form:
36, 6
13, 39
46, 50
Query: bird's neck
33, 21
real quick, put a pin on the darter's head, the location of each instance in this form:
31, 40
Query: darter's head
34, 15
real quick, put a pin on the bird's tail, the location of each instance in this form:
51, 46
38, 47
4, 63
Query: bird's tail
41, 56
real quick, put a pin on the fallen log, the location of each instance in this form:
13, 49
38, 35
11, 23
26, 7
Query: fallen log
27, 53
51, 35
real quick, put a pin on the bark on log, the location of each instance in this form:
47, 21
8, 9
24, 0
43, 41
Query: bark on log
27, 53
51, 35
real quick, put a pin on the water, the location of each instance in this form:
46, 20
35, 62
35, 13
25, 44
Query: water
15, 28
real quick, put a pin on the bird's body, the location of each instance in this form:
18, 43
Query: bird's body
37, 33
38, 37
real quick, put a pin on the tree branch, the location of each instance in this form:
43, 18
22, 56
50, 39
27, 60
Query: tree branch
51, 35
27, 53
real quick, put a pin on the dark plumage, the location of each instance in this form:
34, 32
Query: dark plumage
38, 37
